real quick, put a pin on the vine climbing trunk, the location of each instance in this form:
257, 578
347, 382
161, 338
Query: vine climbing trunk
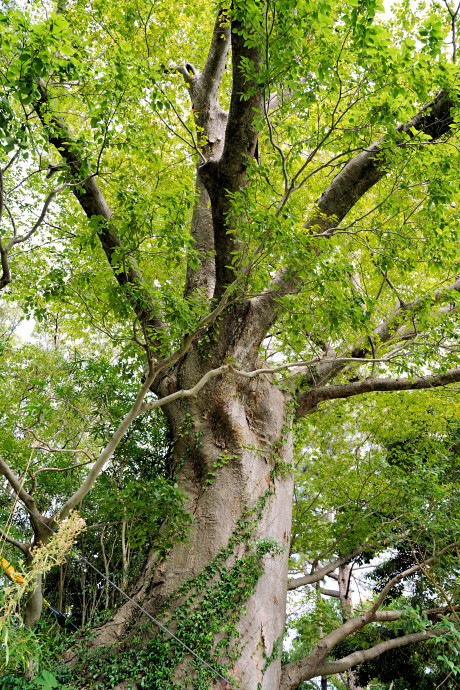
225, 590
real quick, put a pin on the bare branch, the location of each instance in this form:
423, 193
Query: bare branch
191, 393
43, 445
4, 251
329, 592
48, 200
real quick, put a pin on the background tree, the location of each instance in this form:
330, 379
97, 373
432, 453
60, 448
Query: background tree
382, 497
281, 236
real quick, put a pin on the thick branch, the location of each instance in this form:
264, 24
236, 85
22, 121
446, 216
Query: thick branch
308, 401
241, 134
95, 207
203, 278
367, 168
228, 175
217, 55
15, 483
5, 278
211, 122
357, 177
311, 667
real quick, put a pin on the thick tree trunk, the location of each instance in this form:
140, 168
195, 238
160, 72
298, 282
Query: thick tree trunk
232, 455
34, 605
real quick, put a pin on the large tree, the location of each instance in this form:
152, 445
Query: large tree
258, 201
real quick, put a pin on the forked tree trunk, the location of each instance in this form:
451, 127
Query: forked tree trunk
232, 454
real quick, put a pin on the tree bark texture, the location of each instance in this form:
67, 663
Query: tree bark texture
346, 603
232, 453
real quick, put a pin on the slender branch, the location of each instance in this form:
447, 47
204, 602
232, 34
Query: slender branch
321, 573
388, 328
48, 200
1, 194
4, 251
191, 393
43, 445
308, 363
61, 469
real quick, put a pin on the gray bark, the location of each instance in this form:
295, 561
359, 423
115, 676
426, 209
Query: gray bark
243, 418
346, 603
34, 605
